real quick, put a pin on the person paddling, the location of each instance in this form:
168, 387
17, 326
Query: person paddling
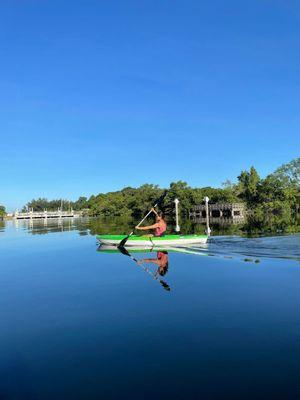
159, 227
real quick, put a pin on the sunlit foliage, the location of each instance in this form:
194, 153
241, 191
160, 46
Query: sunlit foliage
272, 203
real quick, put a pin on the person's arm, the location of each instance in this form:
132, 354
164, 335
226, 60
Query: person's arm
145, 228
149, 261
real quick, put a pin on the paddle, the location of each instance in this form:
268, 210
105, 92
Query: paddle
126, 253
158, 201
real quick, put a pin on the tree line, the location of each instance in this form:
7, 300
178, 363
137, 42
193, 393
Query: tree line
2, 211
272, 203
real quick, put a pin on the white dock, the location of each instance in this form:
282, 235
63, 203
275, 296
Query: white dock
45, 214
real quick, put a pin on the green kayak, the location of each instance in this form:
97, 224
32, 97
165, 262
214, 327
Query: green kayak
163, 241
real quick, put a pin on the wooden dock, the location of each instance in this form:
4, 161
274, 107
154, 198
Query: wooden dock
219, 213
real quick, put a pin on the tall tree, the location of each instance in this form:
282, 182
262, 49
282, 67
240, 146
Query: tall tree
290, 171
248, 185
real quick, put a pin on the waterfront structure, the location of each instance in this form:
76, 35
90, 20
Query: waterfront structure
220, 213
30, 214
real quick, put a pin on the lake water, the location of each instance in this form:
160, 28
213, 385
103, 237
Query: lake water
220, 322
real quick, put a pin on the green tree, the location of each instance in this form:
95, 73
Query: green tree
248, 186
290, 171
276, 205
183, 192
272, 203
2, 211
79, 204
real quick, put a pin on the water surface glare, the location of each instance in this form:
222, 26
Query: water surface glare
83, 322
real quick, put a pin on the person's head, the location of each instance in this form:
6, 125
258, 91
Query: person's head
160, 216
162, 270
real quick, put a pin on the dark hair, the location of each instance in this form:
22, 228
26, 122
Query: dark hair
161, 215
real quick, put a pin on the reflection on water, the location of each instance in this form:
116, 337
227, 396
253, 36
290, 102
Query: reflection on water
271, 247
161, 261
47, 225
79, 321
248, 249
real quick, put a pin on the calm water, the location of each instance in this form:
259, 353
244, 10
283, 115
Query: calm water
220, 322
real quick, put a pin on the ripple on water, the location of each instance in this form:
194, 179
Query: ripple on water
287, 247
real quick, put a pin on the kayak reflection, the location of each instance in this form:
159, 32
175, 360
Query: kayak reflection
162, 263
161, 260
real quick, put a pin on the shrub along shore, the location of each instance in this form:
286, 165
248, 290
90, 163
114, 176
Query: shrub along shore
273, 203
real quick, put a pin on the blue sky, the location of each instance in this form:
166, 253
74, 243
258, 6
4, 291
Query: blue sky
95, 96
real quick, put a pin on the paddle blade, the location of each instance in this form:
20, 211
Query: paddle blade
126, 253
123, 251
161, 198
165, 285
123, 241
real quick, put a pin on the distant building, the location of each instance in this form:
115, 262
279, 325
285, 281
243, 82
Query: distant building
220, 213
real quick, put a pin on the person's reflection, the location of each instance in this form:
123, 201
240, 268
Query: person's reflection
161, 260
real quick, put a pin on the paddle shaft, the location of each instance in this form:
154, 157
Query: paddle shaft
145, 217
122, 243
165, 285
